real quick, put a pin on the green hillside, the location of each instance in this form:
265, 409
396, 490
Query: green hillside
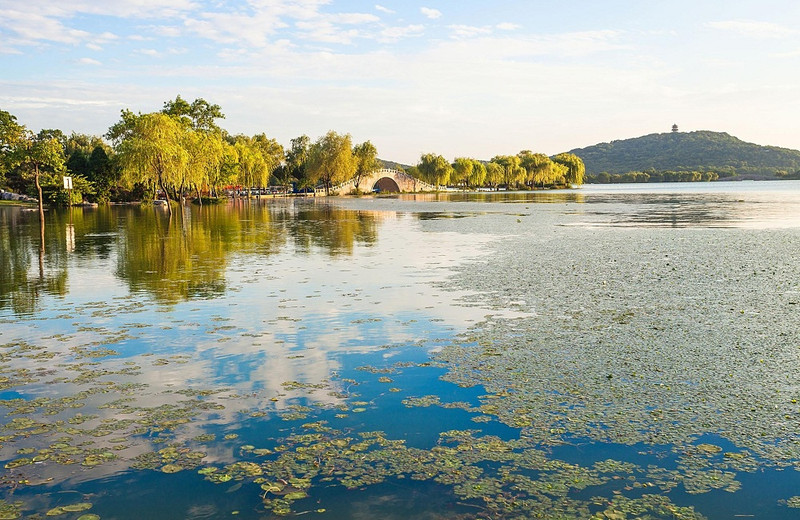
701, 151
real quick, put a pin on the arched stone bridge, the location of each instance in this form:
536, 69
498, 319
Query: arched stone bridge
384, 180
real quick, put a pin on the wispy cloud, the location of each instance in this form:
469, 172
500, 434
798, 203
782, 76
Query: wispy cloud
36, 21
393, 34
431, 13
88, 61
468, 31
383, 9
508, 26
753, 28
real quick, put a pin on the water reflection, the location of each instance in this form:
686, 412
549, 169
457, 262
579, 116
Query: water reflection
511, 197
267, 306
172, 259
26, 273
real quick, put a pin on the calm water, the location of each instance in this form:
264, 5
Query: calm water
617, 351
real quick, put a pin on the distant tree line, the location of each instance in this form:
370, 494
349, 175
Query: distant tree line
181, 151
651, 176
525, 170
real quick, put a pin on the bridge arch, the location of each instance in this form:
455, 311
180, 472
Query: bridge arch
386, 185
393, 181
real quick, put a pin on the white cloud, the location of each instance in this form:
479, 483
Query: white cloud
753, 28
507, 26
88, 61
46, 21
34, 27
166, 31
383, 9
393, 34
354, 18
148, 52
431, 13
468, 31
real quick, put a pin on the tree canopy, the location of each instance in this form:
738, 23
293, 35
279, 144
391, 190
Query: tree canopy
180, 151
434, 169
331, 160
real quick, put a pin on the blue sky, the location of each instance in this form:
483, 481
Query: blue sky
459, 78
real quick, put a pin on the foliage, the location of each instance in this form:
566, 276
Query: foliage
366, 156
693, 151
296, 160
331, 160
199, 114
575, 169
494, 174
513, 172
152, 153
38, 154
434, 169
11, 134
652, 176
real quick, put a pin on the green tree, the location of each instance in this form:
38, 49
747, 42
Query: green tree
36, 154
296, 160
271, 151
576, 170
151, 151
205, 157
123, 128
462, 171
252, 170
538, 167
513, 172
478, 175
494, 174
101, 173
11, 134
78, 163
331, 160
434, 169
199, 114
366, 161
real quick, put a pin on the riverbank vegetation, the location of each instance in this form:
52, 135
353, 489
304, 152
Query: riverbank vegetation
181, 152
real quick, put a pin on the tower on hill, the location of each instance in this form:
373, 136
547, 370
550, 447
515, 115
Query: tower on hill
675, 128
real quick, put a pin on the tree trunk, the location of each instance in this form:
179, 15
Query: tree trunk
166, 194
199, 196
41, 209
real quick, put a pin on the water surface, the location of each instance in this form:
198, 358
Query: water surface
616, 351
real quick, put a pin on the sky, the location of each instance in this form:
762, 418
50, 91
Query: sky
460, 78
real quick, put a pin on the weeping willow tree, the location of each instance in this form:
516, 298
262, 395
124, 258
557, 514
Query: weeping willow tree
152, 152
331, 160
206, 158
513, 172
576, 170
252, 169
539, 168
434, 169
366, 156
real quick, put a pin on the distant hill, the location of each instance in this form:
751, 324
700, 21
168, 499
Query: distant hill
701, 151
392, 165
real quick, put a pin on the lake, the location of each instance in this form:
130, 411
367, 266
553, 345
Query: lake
608, 352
